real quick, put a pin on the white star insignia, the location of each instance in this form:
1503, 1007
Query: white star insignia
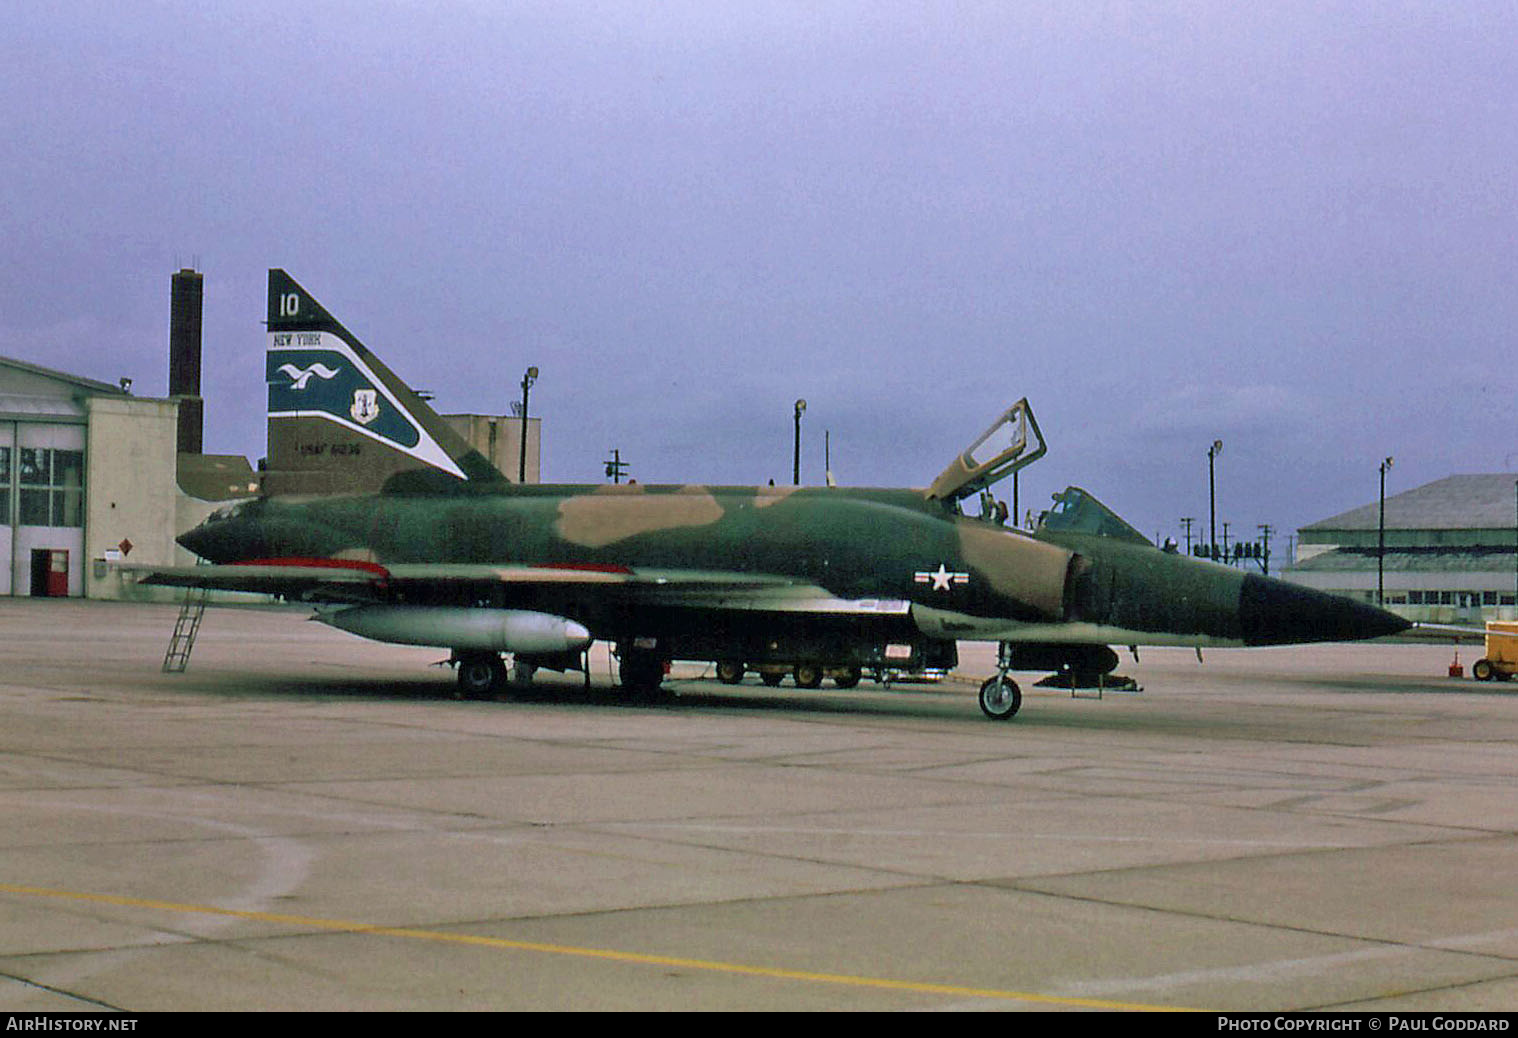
941, 578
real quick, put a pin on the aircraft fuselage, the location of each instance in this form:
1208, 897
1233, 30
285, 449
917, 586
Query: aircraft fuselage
883, 564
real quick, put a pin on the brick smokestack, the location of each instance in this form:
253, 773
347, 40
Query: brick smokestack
184, 357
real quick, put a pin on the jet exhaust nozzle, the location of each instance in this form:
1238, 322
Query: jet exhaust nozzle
456, 627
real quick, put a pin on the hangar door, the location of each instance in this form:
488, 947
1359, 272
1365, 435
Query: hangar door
41, 508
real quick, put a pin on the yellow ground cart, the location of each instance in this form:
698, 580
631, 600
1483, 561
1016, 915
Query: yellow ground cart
1501, 659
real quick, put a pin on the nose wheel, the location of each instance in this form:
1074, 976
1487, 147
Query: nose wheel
1000, 697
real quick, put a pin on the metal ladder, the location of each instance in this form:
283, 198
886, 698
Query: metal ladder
177, 658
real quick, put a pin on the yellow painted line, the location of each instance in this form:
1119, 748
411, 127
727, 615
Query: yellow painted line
343, 926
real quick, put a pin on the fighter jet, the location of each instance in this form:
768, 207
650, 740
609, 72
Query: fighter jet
374, 511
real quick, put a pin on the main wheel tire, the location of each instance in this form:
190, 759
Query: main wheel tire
849, 678
641, 673
1000, 698
480, 675
730, 672
808, 675
1482, 670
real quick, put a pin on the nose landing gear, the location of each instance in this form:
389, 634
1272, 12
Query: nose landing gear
1000, 697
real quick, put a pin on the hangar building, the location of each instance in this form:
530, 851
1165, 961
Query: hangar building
49, 421
87, 475
1451, 551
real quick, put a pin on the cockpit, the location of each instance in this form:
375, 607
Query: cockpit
1076, 511
226, 512
1011, 443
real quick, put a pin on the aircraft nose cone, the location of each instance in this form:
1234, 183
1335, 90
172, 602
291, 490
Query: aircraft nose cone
198, 541
1273, 612
218, 540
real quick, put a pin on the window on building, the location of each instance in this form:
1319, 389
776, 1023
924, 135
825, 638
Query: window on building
52, 487
5, 485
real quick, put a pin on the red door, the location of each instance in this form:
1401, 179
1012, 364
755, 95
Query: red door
58, 573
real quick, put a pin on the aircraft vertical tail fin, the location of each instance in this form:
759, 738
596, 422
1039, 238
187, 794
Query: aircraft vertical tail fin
340, 421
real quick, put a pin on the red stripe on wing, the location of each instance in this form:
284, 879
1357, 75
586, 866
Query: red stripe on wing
372, 568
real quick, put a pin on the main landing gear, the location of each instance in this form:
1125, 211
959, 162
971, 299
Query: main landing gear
483, 674
1000, 697
806, 675
641, 671
480, 673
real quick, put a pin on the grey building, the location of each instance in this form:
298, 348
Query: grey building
1451, 551
78, 464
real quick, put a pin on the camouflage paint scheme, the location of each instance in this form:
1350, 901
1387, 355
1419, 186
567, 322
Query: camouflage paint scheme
636, 562
370, 499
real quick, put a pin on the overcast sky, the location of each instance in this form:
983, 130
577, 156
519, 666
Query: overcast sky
1288, 226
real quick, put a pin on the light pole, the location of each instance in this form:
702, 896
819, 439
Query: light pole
527, 380
796, 462
1381, 538
615, 466
1212, 496
1187, 520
